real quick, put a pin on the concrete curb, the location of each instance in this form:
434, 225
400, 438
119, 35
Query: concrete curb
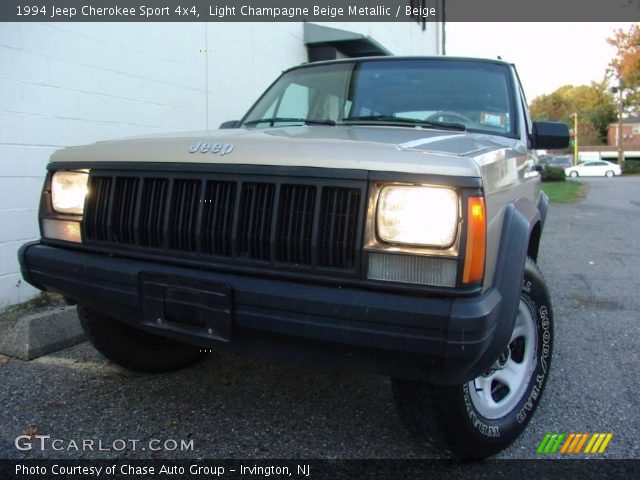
38, 334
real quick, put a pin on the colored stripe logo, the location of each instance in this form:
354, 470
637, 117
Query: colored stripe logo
573, 443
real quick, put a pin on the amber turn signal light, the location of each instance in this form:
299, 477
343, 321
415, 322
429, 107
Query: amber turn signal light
476, 241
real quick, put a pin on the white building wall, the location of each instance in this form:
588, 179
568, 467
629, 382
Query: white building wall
69, 84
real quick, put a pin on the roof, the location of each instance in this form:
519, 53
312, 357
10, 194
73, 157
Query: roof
391, 58
627, 121
350, 43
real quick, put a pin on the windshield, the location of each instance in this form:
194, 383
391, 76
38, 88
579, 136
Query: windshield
423, 93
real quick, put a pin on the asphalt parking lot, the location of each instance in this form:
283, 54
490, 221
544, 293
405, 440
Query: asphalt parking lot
233, 407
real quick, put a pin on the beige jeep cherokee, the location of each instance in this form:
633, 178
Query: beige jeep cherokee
381, 214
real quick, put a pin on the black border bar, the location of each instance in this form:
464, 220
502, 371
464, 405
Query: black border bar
324, 469
421, 11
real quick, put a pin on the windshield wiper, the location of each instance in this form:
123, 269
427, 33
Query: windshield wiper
390, 119
304, 121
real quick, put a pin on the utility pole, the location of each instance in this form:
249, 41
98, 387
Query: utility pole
575, 138
619, 89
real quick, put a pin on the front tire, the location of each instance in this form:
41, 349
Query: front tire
132, 348
573, 174
484, 416
609, 173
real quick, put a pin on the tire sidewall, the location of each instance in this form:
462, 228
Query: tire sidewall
497, 433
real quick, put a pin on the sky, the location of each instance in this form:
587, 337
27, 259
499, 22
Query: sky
547, 55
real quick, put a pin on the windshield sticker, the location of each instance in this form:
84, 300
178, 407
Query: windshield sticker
493, 119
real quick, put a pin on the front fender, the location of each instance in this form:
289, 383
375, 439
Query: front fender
519, 220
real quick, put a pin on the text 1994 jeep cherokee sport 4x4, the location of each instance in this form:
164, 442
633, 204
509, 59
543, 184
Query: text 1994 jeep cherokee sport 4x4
379, 213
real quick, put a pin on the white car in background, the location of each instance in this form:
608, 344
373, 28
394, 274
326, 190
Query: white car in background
595, 168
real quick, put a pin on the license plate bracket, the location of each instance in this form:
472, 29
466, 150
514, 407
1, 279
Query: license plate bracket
186, 304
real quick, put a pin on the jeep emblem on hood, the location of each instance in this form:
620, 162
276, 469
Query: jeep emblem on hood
220, 148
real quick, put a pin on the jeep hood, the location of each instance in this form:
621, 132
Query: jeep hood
377, 148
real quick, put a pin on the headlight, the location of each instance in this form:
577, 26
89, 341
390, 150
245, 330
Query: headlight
68, 190
417, 215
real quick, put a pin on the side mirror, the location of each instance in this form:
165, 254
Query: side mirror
538, 168
230, 124
549, 136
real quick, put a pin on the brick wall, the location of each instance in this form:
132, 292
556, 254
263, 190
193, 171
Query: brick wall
630, 135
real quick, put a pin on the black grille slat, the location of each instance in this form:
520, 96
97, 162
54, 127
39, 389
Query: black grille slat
345, 238
184, 211
218, 217
282, 222
95, 218
153, 206
256, 207
295, 223
124, 209
338, 227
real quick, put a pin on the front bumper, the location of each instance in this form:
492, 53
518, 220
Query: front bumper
439, 339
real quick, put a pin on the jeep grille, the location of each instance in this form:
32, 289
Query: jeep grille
280, 220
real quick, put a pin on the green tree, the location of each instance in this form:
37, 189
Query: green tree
594, 104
